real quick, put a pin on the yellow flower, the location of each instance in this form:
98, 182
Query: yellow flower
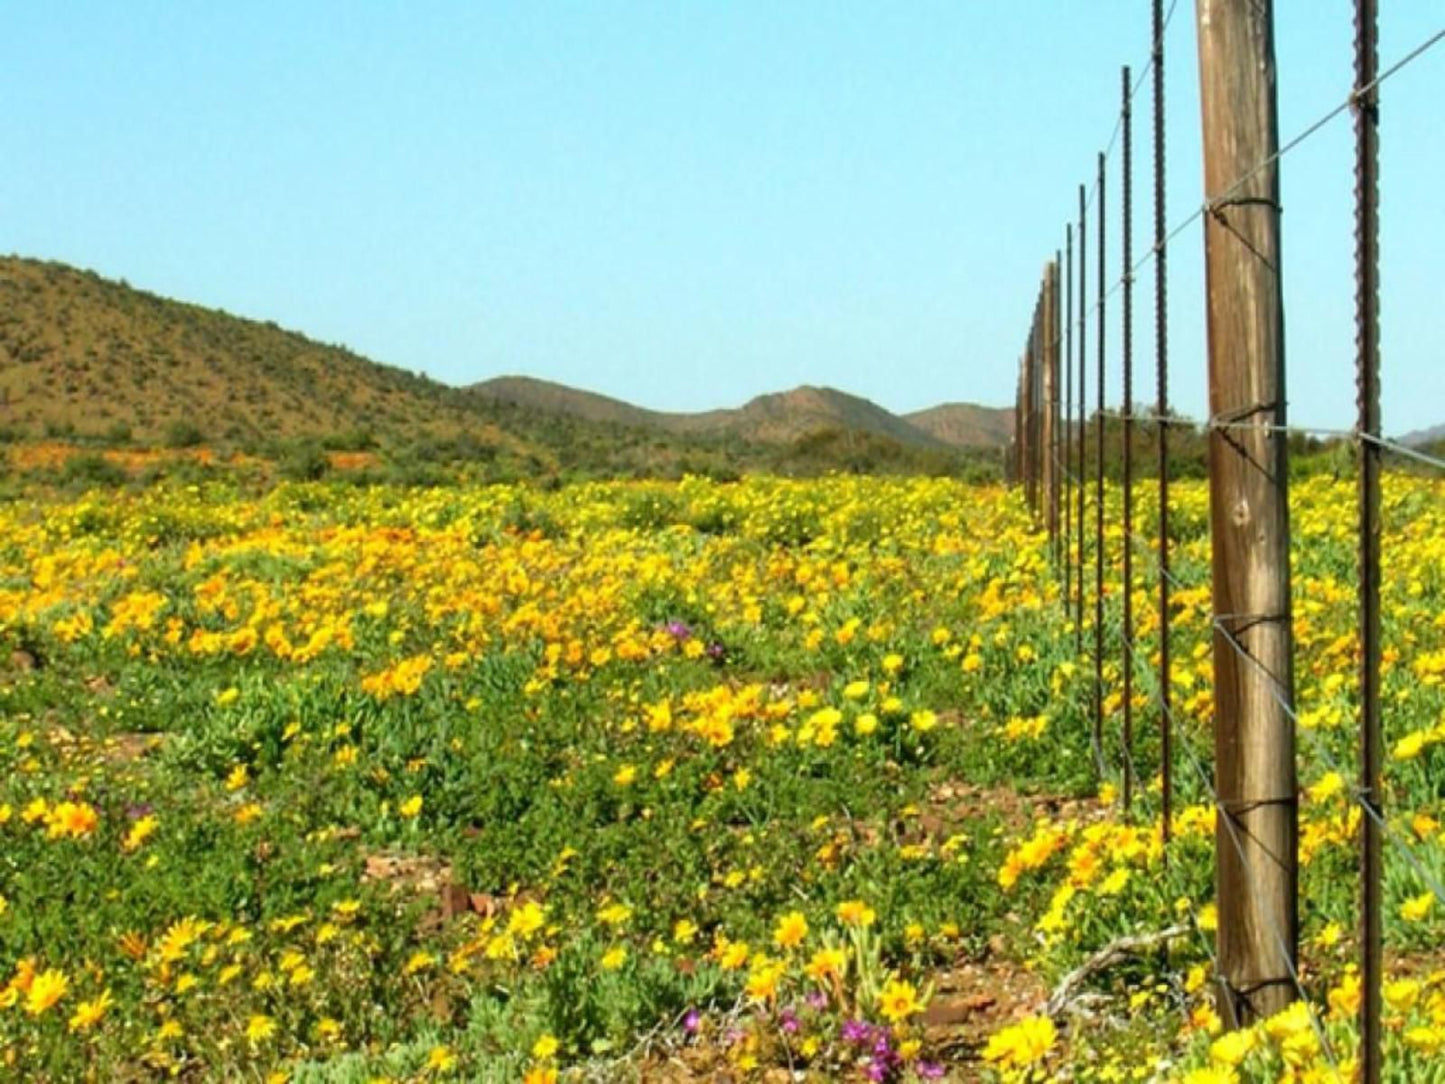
527, 919
898, 1001
260, 1028
441, 1060
614, 958
1212, 1074
139, 832
1232, 1047
238, 777
1021, 1045
826, 964
790, 930
1411, 745
328, 1030
865, 724
856, 913
1430, 1041
1416, 908
1401, 994
1330, 784
614, 914
733, 955
45, 989
1113, 884
72, 819
411, 807
545, 1047
923, 721
1344, 999
420, 961
762, 984
625, 775
1208, 918
683, 931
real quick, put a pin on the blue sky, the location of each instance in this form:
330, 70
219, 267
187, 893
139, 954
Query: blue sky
687, 204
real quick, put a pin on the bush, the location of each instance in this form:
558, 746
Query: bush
306, 463
183, 434
92, 470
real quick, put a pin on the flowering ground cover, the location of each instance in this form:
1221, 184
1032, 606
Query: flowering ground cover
773, 780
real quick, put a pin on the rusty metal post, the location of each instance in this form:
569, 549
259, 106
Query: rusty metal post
1256, 838
1161, 359
1035, 429
1067, 357
1051, 397
1083, 420
1126, 258
1367, 368
1099, 490
1016, 451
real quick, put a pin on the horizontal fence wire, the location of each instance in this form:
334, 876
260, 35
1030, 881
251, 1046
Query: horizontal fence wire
1211, 204
1206, 781
1136, 660
1283, 701
1293, 428
1216, 802
1389, 833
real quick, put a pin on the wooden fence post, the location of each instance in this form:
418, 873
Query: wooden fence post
1257, 829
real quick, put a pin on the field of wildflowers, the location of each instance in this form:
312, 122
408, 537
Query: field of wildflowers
767, 780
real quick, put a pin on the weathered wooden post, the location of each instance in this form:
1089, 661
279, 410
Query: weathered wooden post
1256, 836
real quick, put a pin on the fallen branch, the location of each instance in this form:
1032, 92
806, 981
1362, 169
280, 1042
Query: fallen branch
1106, 957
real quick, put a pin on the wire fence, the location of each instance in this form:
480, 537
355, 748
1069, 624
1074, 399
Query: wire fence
1051, 462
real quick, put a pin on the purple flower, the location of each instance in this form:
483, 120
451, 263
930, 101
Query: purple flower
692, 1021
855, 1031
876, 1070
929, 1070
716, 650
788, 1021
138, 810
678, 630
816, 1000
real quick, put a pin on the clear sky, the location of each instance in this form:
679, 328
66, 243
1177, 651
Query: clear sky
685, 204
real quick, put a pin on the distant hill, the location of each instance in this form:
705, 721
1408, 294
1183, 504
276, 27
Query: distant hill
776, 418
85, 357
544, 395
966, 425
1420, 438
80, 352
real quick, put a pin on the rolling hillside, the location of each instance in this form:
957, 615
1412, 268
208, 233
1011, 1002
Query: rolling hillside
85, 354
86, 357
965, 425
776, 418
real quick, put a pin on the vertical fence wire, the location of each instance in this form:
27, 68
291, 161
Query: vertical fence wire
1052, 473
1067, 359
1083, 422
1126, 258
1099, 357
1161, 360
1367, 364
